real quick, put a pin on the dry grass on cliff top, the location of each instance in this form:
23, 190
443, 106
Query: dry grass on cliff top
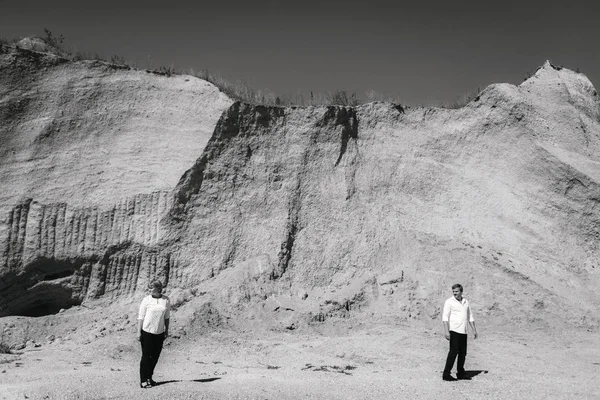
240, 90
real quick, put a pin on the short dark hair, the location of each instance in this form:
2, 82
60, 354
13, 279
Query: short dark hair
156, 284
457, 286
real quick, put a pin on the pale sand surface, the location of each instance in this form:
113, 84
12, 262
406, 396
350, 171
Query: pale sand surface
381, 362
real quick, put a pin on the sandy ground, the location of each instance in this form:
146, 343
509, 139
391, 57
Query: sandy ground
381, 362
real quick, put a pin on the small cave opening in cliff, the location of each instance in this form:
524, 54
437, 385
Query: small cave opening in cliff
47, 301
44, 290
51, 269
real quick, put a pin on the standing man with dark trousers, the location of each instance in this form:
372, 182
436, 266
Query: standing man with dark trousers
153, 329
455, 316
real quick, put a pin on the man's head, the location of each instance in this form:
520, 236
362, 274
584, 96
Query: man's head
156, 287
457, 291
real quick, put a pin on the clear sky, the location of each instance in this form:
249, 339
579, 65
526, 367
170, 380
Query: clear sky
420, 52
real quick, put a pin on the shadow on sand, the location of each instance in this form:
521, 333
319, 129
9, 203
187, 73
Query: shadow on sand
205, 380
165, 382
472, 373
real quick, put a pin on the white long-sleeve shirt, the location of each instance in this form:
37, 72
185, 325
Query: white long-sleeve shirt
154, 312
457, 314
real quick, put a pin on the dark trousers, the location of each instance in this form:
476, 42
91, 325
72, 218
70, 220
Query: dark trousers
151, 348
458, 347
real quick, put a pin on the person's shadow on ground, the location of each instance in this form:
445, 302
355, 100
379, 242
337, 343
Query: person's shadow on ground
472, 373
204, 380
165, 382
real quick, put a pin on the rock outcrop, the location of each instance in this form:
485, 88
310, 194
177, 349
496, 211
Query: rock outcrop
321, 212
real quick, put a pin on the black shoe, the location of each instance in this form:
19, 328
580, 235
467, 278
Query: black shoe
448, 378
145, 385
152, 382
463, 377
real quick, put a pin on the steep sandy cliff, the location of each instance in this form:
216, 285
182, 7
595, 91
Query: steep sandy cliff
89, 132
383, 208
297, 215
89, 153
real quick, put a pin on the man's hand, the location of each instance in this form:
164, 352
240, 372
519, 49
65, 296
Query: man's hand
139, 336
446, 330
473, 329
166, 335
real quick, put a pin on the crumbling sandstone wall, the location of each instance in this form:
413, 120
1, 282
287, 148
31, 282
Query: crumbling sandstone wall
333, 210
85, 252
385, 206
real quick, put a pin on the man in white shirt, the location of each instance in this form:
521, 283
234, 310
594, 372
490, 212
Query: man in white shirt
455, 316
153, 329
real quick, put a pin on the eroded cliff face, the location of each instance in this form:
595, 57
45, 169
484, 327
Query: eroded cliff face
381, 208
89, 155
294, 215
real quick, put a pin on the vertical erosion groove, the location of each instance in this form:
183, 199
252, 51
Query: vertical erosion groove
60, 230
347, 119
332, 119
294, 208
173, 270
234, 234
78, 234
23, 226
148, 272
154, 218
122, 267
167, 268
178, 271
137, 273
68, 232
117, 223
130, 211
13, 231
43, 228
285, 254
7, 247
109, 274
127, 272
52, 232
